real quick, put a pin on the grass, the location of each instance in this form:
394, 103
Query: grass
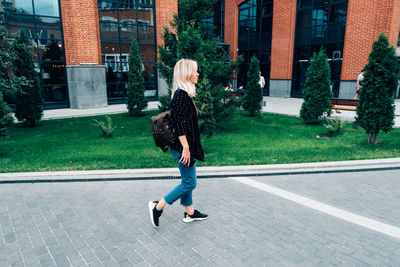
75, 144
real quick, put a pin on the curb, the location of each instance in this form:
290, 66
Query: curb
202, 172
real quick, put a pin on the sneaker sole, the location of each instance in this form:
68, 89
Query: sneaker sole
188, 220
151, 207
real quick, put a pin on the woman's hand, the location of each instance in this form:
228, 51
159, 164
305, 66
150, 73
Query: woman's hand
185, 158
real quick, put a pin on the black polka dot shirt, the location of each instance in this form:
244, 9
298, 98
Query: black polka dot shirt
184, 117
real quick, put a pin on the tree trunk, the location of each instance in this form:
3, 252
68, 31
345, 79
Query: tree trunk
376, 138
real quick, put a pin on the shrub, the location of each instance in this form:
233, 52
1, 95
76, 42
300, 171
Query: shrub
375, 111
29, 101
253, 97
135, 91
164, 100
317, 92
334, 127
5, 116
106, 128
207, 123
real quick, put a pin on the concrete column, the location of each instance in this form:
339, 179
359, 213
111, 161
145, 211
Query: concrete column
280, 88
86, 75
282, 46
87, 86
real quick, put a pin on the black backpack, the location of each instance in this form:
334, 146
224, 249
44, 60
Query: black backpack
162, 129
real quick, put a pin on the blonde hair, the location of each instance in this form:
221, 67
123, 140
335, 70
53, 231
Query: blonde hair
183, 69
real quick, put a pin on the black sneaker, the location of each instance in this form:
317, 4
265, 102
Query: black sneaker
196, 216
154, 213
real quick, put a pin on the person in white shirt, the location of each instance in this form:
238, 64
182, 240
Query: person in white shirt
261, 81
360, 78
229, 87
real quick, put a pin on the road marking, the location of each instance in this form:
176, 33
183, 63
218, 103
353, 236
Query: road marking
377, 226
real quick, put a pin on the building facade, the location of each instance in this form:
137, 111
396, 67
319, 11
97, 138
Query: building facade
81, 47
346, 30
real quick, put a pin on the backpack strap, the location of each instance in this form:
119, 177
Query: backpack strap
173, 99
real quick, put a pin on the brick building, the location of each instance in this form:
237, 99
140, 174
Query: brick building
81, 47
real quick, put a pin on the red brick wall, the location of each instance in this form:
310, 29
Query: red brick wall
81, 31
164, 11
232, 24
283, 28
366, 19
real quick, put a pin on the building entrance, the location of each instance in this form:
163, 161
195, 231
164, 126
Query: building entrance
319, 24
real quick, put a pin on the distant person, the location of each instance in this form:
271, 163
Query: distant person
229, 87
241, 90
331, 86
188, 148
360, 78
261, 81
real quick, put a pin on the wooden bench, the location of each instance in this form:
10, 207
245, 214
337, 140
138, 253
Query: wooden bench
344, 104
236, 94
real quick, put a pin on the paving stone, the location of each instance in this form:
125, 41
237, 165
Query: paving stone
42, 250
135, 258
61, 261
46, 260
102, 254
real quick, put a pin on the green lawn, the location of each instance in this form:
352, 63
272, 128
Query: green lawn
74, 144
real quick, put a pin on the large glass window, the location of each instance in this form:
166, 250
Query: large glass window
120, 21
41, 20
320, 23
216, 21
255, 33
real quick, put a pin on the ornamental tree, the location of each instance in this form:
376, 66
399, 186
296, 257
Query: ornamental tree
135, 91
28, 108
317, 91
5, 116
375, 112
253, 97
197, 44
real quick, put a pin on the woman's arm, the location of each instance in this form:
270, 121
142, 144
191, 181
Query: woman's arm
185, 158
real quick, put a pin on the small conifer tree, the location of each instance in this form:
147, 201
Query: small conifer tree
375, 112
29, 101
317, 91
207, 123
5, 116
253, 97
197, 44
135, 91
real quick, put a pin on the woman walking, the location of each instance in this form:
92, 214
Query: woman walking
188, 148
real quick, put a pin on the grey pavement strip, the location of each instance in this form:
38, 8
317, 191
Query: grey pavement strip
374, 225
203, 172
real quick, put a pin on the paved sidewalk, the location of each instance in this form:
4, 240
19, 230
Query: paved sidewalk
291, 106
71, 113
279, 105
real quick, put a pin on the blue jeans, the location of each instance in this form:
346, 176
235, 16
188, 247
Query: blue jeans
188, 183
